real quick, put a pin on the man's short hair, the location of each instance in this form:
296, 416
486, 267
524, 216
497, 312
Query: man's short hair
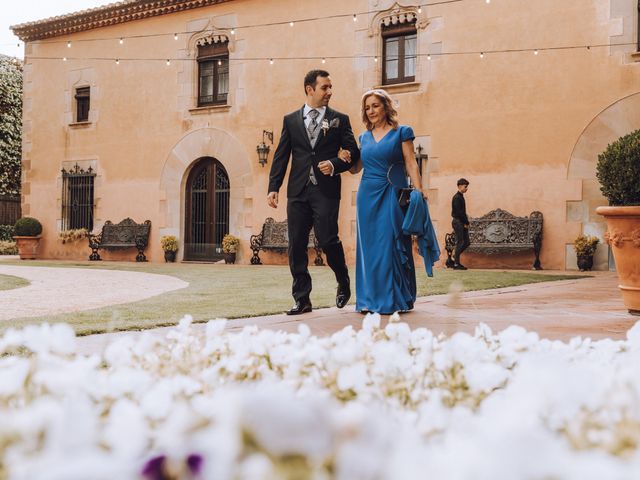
311, 78
463, 181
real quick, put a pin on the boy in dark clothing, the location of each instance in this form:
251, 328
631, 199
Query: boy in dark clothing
460, 222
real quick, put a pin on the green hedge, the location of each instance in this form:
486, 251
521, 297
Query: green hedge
618, 170
28, 227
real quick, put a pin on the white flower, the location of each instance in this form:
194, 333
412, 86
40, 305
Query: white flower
371, 322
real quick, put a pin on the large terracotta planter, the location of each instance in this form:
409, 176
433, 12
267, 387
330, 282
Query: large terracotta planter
27, 246
623, 235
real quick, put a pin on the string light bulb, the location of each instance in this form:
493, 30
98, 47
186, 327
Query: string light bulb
219, 62
271, 61
429, 57
324, 61
121, 40
168, 62
69, 44
233, 31
419, 9
355, 17
64, 59
375, 59
117, 61
535, 52
175, 36
291, 24
481, 54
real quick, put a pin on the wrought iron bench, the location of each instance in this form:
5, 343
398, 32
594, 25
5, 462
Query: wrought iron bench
125, 234
274, 236
501, 232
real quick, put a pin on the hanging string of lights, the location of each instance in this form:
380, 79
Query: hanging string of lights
325, 58
320, 58
233, 30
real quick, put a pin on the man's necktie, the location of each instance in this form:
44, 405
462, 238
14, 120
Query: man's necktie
313, 125
312, 129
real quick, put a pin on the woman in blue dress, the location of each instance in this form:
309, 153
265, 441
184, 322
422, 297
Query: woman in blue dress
385, 272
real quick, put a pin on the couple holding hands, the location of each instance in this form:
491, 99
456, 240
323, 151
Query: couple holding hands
320, 142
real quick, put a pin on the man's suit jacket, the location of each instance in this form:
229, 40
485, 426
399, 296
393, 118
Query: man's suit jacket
294, 142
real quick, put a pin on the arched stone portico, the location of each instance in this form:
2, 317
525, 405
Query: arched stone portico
618, 119
205, 142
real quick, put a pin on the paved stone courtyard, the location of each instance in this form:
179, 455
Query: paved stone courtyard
589, 307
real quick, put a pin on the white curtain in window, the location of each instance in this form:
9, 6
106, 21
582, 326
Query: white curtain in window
410, 44
391, 60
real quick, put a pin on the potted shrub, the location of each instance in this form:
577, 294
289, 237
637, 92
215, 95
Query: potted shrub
229, 248
618, 171
27, 233
585, 247
170, 246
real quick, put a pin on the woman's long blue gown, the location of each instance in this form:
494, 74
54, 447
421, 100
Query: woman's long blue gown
385, 273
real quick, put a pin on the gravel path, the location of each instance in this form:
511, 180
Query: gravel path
60, 290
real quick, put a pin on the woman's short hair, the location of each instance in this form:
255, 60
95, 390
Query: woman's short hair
387, 103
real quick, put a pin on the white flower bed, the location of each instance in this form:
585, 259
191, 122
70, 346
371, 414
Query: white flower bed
389, 403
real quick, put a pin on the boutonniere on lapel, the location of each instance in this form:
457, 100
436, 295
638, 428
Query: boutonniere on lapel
326, 125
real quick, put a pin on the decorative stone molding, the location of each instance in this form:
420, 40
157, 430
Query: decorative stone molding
395, 15
209, 36
112, 14
635, 237
614, 238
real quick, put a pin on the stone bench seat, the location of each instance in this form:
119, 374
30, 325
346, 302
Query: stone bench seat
501, 232
126, 234
274, 236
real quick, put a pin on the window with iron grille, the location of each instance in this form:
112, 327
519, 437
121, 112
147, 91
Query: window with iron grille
399, 53
77, 198
213, 74
82, 104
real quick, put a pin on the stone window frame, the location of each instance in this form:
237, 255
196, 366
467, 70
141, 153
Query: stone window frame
396, 15
209, 36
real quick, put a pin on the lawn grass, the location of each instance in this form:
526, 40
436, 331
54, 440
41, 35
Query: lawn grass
8, 282
235, 291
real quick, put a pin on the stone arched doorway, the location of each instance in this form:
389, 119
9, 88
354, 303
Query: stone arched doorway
183, 160
206, 213
616, 120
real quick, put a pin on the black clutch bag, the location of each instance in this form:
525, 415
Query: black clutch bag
404, 197
404, 193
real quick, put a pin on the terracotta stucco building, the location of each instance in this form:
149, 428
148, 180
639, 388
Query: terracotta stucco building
153, 110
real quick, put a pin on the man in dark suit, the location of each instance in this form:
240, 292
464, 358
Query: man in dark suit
313, 136
460, 222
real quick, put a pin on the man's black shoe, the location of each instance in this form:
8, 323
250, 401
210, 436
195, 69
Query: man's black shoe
343, 295
459, 266
301, 306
